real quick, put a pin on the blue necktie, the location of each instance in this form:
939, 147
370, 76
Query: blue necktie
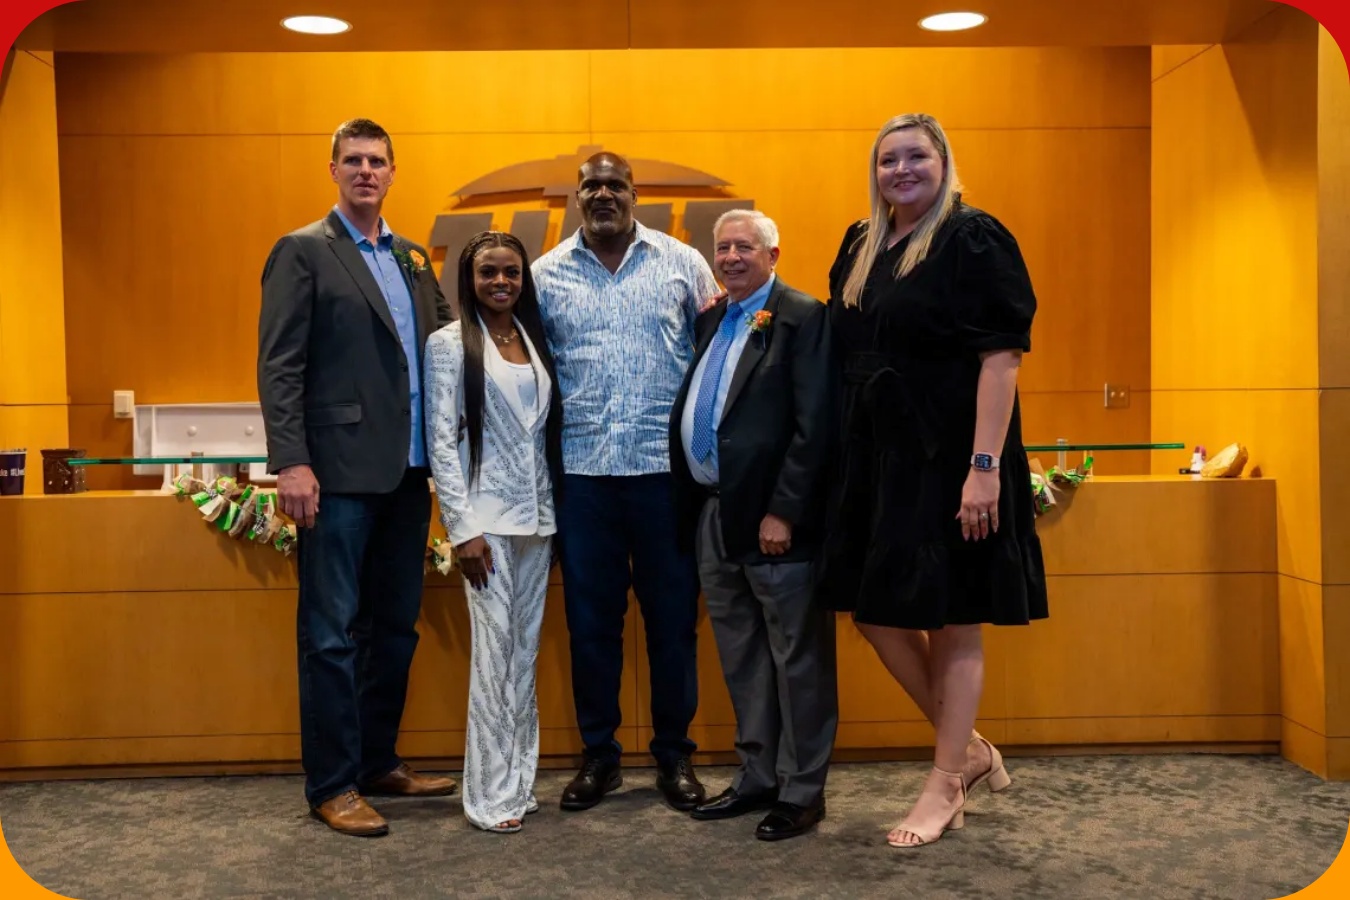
705, 428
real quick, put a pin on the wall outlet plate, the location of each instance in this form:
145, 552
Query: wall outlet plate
1117, 396
124, 404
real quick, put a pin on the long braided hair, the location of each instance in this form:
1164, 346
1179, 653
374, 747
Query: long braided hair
527, 314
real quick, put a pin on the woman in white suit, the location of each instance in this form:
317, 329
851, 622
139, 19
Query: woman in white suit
494, 424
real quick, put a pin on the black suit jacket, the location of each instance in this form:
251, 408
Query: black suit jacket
332, 375
775, 433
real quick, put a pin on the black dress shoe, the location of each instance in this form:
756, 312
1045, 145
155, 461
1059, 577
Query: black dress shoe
729, 805
787, 820
596, 779
680, 785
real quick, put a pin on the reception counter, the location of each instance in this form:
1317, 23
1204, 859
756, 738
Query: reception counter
135, 638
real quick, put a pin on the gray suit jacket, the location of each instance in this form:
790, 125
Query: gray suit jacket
332, 375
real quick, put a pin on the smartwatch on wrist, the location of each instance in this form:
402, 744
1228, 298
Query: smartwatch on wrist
984, 462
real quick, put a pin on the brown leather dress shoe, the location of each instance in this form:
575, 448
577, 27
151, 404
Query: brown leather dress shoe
404, 782
349, 813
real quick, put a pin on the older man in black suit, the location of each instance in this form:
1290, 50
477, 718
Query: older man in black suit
346, 309
750, 433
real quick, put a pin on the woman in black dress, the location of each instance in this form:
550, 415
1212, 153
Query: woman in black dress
931, 529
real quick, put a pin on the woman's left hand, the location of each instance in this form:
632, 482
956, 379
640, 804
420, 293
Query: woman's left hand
979, 505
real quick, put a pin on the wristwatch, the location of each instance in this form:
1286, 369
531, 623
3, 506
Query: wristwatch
983, 462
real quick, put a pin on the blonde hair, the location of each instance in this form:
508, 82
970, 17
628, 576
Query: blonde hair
879, 224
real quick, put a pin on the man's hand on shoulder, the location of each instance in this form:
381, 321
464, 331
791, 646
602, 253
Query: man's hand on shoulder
298, 494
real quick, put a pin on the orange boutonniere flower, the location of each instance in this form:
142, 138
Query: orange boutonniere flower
759, 324
415, 262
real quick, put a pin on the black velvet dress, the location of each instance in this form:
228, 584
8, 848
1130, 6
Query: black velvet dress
894, 554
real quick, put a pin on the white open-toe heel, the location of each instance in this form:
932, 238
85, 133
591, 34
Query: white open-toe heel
957, 820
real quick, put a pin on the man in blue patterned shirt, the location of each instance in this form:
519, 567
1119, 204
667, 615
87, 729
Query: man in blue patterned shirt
619, 302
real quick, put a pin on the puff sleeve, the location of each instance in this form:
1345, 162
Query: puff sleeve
843, 260
996, 300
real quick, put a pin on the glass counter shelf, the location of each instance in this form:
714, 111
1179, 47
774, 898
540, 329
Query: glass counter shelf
203, 465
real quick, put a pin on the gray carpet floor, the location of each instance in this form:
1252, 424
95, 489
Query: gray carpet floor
1245, 828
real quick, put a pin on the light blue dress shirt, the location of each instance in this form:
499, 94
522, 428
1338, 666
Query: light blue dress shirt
706, 471
621, 344
397, 293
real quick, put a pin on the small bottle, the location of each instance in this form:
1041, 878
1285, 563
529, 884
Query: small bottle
1198, 460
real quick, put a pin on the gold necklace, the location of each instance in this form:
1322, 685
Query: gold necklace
504, 341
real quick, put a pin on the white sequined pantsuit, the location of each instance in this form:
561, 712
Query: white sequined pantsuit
501, 752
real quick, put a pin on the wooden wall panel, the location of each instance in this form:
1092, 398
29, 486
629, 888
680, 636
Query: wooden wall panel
1234, 225
51, 527
32, 342
1240, 140
1243, 734
93, 429
1302, 654
1235, 297
1304, 747
1333, 406
163, 270
215, 94
1333, 139
1219, 633
228, 157
165, 643
1188, 531
121, 645
1334, 416
34, 428
1280, 431
1047, 186
221, 663
175, 319
1336, 628
1052, 189
1167, 57
32, 324
1082, 416
1333, 213
846, 89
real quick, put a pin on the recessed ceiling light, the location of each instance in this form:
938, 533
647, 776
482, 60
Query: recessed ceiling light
316, 25
952, 21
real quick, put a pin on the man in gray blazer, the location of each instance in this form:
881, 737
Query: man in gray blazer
749, 437
346, 309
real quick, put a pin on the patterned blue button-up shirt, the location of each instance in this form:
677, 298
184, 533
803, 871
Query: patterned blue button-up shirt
621, 344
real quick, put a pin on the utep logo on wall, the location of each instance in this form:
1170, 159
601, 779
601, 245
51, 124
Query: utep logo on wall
541, 188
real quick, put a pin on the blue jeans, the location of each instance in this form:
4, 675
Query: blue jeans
360, 570
604, 522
